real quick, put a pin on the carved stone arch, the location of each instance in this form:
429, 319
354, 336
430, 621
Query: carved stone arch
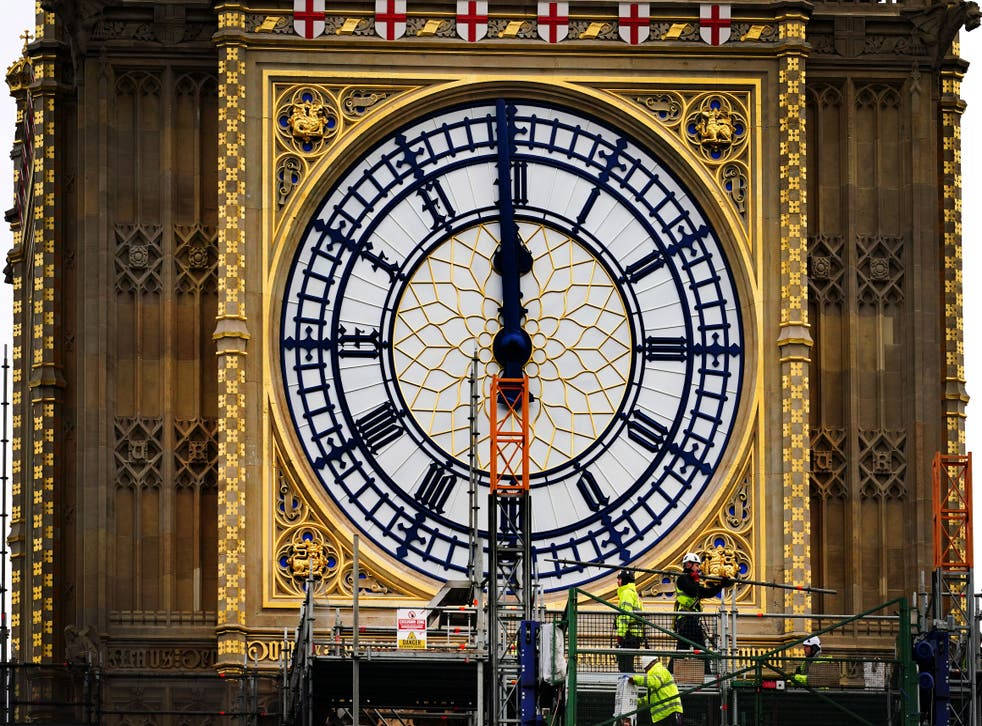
823, 95
138, 82
878, 96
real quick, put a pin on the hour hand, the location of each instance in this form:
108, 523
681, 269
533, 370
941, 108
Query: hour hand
512, 346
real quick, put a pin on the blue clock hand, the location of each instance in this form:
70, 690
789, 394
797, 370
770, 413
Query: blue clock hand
512, 346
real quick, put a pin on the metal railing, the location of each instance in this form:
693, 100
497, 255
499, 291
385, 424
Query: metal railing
722, 684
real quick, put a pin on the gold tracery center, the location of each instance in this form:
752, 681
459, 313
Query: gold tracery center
581, 340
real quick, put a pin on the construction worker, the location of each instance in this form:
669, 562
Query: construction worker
689, 592
658, 693
629, 630
813, 650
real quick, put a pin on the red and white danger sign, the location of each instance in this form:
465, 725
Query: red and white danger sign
411, 629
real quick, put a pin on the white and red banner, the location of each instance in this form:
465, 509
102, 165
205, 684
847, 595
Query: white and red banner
472, 19
714, 23
308, 18
553, 21
634, 22
390, 18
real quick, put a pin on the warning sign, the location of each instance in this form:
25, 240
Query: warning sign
411, 629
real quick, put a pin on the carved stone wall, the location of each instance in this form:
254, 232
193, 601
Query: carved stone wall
864, 366
162, 177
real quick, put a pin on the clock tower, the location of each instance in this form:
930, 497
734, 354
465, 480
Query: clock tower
259, 246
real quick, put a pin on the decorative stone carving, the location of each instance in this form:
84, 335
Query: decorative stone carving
666, 107
728, 554
592, 30
882, 464
828, 470
289, 171
196, 259
499, 27
82, 645
714, 130
735, 181
715, 127
304, 544
307, 558
880, 270
737, 511
195, 453
826, 269
20, 73
356, 102
418, 26
937, 26
138, 258
138, 452
309, 120
721, 561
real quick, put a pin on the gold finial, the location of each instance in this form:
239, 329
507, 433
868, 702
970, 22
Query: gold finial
26, 37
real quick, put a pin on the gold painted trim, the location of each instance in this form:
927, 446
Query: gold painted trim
445, 89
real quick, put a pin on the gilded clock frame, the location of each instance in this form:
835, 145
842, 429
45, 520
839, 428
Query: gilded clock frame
638, 108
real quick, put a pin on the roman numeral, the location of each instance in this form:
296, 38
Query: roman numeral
611, 164
662, 348
591, 492
519, 181
379, 427
359, 344
646, 431
435, 488
656, 259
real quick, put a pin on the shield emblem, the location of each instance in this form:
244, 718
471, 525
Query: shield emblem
308, 18
472, 19
634, 22
714, 23
553, 21
390, 18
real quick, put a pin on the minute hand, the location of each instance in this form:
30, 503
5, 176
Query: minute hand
512, 346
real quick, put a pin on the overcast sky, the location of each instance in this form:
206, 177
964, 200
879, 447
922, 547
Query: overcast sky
19, 15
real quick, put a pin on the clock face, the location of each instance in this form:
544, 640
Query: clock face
636, 357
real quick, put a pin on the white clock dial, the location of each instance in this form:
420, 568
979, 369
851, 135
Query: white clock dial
636, 344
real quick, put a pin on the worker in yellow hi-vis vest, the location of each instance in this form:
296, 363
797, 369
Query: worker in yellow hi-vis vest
629, 630
658, 694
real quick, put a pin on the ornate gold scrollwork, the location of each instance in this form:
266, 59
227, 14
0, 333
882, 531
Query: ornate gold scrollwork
715, 126
308, 120
714, 129
304, 545
307, 559
721, 562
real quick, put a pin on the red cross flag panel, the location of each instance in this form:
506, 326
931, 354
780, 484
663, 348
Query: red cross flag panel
553, 21
472, 19
390, 18
308, 18
634, 22
714, 23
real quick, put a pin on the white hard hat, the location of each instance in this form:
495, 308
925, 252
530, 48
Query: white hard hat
812, 641
647, 661
691, 557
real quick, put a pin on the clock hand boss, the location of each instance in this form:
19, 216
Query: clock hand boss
512, 346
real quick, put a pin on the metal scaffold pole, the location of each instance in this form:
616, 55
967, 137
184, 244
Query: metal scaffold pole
4, 630
510, 595
476, 559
